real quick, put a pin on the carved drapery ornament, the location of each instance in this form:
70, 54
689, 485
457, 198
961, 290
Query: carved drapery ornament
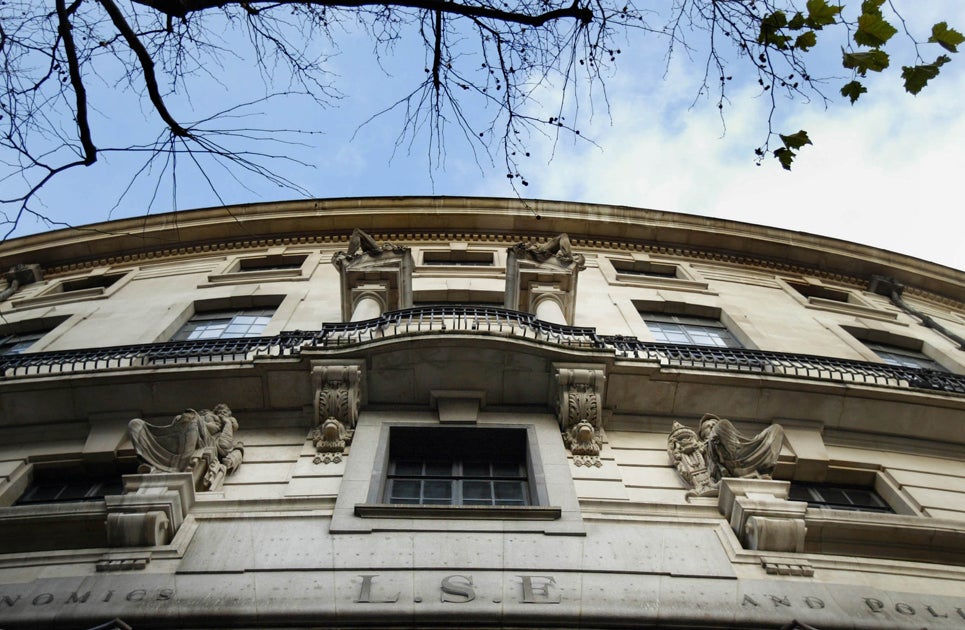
360, 244
558, 247
579, 408
718, 450
200, 442
337, 397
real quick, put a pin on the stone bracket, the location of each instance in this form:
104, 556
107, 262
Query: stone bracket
761, 515
786, 566
369, 269
579, 410
150, 511
338, 395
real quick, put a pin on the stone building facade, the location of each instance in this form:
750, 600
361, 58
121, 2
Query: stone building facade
422, 412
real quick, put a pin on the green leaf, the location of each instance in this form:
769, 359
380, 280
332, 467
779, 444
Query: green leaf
872, 7
947, 38
797, 22
917, 76
806, 40
873, 31
771, 26
874, 60
795, 140
785, 157
853, 90
821, 14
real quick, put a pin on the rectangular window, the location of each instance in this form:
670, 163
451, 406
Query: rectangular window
74, 489
457, 466
272, 263
819, 291
688, 330
645, 268
893, 355
460, 257
20, 343
90, 282
852, 498
229, 324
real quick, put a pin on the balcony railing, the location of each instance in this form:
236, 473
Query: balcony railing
477, 321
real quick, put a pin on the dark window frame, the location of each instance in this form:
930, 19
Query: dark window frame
840, 497
661, 325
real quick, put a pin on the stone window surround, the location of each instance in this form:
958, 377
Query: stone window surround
283, 305
53, 294
855, 304
690, 309
357, 510
497, 269
42, 325
856, 336
232, 273
686, 279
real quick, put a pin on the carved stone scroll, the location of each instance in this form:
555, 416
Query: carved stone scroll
337, 398
717, 450
200, 442
579, 409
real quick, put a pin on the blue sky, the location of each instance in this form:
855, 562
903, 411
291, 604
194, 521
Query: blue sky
886, 172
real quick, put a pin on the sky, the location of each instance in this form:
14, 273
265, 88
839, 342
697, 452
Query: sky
885, 172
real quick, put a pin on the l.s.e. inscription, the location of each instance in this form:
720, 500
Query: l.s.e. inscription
372, 588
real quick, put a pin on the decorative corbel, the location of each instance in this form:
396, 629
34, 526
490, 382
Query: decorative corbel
337, 398
150, 511
579, 409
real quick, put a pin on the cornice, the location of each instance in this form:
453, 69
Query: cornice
415, 219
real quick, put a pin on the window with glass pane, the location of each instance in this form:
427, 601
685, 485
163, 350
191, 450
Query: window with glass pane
17, 344
854, 498
893, 355
225, 324
457, 466
685, 330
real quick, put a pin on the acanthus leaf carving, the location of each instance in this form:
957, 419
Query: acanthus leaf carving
337, 398
579, 408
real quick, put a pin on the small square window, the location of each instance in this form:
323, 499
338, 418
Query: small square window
852, 498
645, 268
459, 257
230, 324
272, 263
819, 291
457, 466
688, 330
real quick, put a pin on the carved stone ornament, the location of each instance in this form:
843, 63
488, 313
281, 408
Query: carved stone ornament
361, 244
579, 408
717, 450
200, 442
558, 247
688, 454
337, 397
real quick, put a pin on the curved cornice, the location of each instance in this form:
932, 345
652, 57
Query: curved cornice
589, 225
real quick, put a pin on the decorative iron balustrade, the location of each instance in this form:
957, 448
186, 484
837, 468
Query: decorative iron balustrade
482, 320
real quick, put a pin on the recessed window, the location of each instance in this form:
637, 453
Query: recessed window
19, 343
819, 291
457, 466
73, 489
271, 263
645, 268
458, 257
853, 498
689, 330
228, 324
90, 282
894, 355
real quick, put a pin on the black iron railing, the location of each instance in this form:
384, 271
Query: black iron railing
480, 321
